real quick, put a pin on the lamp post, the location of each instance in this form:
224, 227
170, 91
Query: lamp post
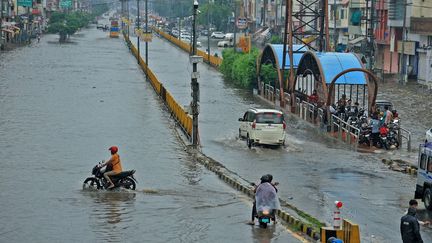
194, 80
208, 31
402, 69
128, 18
235, 25
146, 30
138, 31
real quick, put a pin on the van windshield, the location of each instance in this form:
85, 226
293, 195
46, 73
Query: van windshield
270, 118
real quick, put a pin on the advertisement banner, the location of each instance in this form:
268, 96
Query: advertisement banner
25, 3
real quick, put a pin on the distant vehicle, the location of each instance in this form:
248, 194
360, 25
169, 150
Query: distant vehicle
100, 26
217, 35
424, 175
262, 126
381, 104
228, 40
204, 32
429, 135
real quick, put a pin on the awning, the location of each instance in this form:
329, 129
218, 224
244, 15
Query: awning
356, 40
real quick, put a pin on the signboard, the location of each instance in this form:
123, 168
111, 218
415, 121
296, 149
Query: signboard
147, 37
242, 23
25, 3
409, 47
245, 44
65, 3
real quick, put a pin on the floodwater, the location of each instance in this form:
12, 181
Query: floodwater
313, 171
61, 107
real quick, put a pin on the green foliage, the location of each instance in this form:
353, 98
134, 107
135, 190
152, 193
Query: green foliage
66, 24
268, 74
239, 68
275, 39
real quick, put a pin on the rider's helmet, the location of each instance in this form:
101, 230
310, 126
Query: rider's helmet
331, 239
113, 149
266, 178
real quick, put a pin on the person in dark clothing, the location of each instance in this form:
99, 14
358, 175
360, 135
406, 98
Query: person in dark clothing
410, 227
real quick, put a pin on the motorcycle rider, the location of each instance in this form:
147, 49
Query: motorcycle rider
113, 165
264, 179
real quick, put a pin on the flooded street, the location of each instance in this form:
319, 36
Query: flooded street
61, 107
313, 170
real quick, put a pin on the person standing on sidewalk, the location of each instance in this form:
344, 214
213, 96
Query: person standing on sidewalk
410, 227
414, 204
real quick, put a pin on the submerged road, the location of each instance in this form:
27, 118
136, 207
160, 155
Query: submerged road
61, 107
313, 170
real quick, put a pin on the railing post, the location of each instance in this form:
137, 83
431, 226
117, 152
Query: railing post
331, 124
399, 136
409, 142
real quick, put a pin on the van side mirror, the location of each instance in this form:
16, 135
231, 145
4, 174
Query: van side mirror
240, 119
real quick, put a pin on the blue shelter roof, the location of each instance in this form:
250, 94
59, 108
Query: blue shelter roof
334, 63
298, 53
331, 64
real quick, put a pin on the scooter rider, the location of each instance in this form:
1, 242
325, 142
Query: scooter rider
113, 165
264, 179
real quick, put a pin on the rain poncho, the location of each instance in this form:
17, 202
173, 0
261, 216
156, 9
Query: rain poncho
266, 197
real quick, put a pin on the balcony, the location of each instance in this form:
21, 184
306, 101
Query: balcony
421, 26
340, 24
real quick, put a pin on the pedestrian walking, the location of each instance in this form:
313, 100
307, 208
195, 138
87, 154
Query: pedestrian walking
410, 227
414, 204
38, 37
375, 124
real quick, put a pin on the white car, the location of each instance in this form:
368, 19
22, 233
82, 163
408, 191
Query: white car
217, 35
429, 135
263, 126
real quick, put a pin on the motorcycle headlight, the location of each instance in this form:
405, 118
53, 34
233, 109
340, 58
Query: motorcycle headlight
266, 212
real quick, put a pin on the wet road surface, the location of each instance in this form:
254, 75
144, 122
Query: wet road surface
61, 107
313, 170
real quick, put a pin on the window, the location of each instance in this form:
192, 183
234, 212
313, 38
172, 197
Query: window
342, 14
429, 41
423, 158
270, 118
251, 117
430, 164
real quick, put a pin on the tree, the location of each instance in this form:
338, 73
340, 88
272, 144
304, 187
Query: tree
66, 24
239, 68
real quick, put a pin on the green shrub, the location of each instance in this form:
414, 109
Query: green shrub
275, 39
239, 68
268, 74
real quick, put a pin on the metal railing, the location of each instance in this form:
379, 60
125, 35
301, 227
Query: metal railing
351, 132
404, 134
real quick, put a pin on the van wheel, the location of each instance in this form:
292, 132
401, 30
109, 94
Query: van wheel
248, 142
427, 199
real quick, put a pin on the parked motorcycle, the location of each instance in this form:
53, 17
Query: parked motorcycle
124, 179
364, 136
392, 139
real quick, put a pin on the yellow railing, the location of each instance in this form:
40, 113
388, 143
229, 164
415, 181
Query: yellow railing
214, 61
182, 117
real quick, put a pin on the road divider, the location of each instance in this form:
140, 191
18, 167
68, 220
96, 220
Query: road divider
212, 60
177, 111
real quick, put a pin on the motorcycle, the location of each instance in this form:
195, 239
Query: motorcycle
124, 179
392, 139
267, 202
364, 136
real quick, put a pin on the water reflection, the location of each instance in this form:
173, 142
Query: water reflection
262, 235
111, 213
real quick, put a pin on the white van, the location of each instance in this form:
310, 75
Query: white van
424, 175
228, 40
262, 126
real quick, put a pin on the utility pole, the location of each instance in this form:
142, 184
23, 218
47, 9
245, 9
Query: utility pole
146, 30
138, 31
194, 80
335, 37
402, 69
235, 25
285, 39
208, 31
128, 18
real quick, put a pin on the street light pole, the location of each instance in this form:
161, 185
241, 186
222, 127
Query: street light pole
128, 18
146, 30
208, 31
194, 81
402, 69
138, 31
235, 25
